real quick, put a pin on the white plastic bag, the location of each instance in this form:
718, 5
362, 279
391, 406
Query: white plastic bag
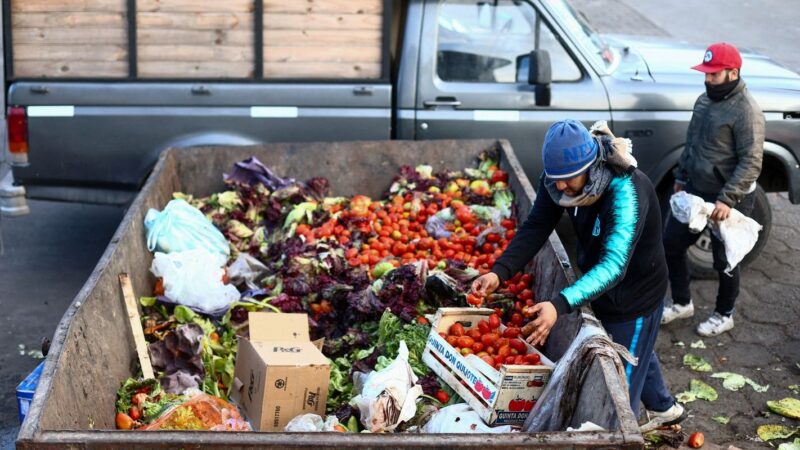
738, 232
180, 227
246, 271
460, 418
311, 423
388, 397
194, 278
690, 209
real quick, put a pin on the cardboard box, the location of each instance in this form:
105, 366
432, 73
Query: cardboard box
26, 389
502, 397
279, 373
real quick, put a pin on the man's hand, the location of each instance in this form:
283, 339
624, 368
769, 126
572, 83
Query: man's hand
721, 211
677, 187
543, 323
485, 284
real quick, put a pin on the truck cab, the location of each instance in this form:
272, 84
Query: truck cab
246, 71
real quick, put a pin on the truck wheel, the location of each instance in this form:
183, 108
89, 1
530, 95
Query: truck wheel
700, 259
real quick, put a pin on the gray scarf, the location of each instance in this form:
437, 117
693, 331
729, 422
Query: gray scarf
613, 158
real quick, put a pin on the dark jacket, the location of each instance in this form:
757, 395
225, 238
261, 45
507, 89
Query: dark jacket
724, 146
619, 249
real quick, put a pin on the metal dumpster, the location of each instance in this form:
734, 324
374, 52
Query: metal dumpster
92, 353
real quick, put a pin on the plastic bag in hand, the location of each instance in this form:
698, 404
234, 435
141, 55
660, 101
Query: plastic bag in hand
180, 227
460, 418
691, 209
194, 278
739, 234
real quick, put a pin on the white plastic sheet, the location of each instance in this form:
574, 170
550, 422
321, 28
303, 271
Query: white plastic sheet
460, 418
388, 397
311, 423
738, 232
193, 278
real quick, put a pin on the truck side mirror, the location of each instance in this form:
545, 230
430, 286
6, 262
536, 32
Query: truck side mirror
540, 76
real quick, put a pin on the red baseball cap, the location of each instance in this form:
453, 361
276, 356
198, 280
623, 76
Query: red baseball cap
719, 57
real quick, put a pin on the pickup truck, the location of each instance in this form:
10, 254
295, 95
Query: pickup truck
97, 91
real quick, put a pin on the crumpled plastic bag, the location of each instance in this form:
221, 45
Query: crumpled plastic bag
460, 418
387, 397
180, 227
559, 401
738, 232
312, 423
435, 223
200, 412
246, 271
193, 278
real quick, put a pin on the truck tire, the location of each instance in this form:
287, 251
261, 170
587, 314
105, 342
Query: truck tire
700, 259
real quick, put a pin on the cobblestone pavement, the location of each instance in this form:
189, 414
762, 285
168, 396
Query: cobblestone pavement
765, 343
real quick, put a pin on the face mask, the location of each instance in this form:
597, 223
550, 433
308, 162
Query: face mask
717, 92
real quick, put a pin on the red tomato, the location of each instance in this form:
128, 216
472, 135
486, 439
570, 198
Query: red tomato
442, 396
508, 224
696, 440
493, 237
489, 339
474, 300
504, 352
499, 175
465, 342
510, 359
527, 278
494, 321
483, 327
518, 345
457, 329
474, 334
510, 234
501, 342
533, 358
135, 413
511, 332
452, 340
519, 360
526, 294
499, 360
477, 347
490, 350
488, 360
517, 319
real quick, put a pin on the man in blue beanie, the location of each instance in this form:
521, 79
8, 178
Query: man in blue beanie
615, 212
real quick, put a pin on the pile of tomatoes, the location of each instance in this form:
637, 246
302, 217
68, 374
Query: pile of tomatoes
495, 346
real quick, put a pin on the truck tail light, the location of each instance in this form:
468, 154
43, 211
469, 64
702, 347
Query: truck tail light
17, 120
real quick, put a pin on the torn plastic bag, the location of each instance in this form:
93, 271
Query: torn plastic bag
559, 401
200, 412
738, 232
387, 397
460, 418
312, 423
435, 223
246, 271
194, 279
180, 227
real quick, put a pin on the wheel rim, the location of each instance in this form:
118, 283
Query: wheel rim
701, 252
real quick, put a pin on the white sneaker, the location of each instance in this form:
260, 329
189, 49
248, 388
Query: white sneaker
675, 414
715, 325
674, 311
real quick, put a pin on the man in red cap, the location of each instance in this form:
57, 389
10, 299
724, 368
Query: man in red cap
720, 163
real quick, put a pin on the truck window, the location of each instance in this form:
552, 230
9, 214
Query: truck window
481, 42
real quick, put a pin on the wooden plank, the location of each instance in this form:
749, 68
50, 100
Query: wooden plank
69, 69
324, 6
322, 70
323, 21
193, 6
218, 69
69, 35
197, 21
52, 6
198, 53
135, 322
65, 19
322, 54
156, 36
322, 37
33, 52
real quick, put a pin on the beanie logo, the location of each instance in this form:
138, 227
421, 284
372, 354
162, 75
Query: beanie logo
708, 56
577, 153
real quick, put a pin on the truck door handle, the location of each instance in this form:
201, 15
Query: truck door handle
442, 101
201, 90
39, 89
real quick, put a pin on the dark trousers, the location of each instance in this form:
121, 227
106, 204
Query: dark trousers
678, 239
645, 383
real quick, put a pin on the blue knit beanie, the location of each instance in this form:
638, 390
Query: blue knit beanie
568, 150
